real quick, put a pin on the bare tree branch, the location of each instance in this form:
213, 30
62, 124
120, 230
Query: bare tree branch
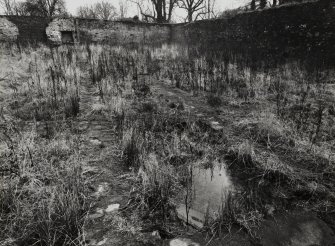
192, 7
162, 10
101, 10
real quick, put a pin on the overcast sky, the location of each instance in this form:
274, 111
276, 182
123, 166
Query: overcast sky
72, 6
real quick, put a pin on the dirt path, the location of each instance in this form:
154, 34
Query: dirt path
221, 118
109, 188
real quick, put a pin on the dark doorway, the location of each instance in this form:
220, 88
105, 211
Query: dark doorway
67, 37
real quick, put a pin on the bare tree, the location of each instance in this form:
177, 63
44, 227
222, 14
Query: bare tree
156, 10
123, 8
262, 4
86, 12
101, 10
143, 6
45, 8
20, 9
105, 10
8, 6
193, 7
212, 11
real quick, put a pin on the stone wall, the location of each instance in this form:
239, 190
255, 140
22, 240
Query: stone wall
8, 30
112, 32
54, 29
282, 32
119, 32
30, 29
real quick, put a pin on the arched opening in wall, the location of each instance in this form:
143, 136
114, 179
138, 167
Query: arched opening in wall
67, 37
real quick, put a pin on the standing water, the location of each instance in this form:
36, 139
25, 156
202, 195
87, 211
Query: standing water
206, 194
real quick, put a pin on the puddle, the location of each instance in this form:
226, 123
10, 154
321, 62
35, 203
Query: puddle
210, 187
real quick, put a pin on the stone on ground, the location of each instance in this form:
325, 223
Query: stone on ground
95, 216
297, 229
112, 208
183, 242
194, 218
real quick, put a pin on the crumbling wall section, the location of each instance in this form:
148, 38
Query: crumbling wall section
59, 25
111, 32
8, 30
122, 32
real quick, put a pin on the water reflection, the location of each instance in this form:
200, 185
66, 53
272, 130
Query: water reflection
210, 185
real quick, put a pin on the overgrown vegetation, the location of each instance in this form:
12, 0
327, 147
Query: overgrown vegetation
277, 141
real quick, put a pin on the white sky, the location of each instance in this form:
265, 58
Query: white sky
72, 6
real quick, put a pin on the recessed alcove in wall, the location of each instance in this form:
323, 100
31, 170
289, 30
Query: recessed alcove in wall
67, 37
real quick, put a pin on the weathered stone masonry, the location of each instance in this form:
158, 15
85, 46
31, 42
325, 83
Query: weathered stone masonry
30, 29
112, 32
283, 31
8, 30
26, 29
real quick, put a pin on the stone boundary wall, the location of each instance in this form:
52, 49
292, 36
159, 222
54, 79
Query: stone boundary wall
284, 31
30, 29
111, 32
123, 32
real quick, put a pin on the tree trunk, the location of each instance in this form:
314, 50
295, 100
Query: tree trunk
253, 5
159, 11
190, 15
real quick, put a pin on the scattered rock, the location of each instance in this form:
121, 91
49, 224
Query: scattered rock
297, 229
95, 216
112, 208
102, 188
183, 242
102, 242
97, 142
216, 125
156, 234
194, 218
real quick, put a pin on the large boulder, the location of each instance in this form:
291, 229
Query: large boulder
296, 229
